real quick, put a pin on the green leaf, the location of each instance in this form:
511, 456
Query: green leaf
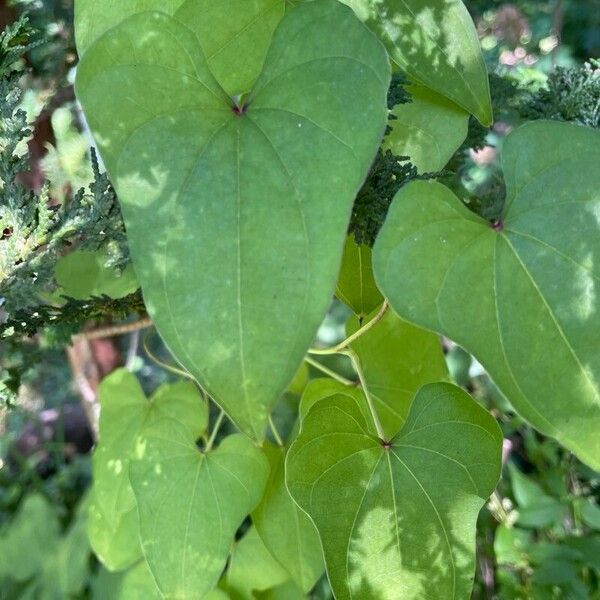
397, 522
252, 568
521, 300
84, 275
190, 504
246, 31
134, 584
356, 285
285, 591
124, 414
435, 43
511, 545
287, 531
229, 217
429, 129
397, 359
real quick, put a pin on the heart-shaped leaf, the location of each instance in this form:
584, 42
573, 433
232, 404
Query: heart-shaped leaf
434, 42
124, 414
520, 296
190, 504
405, 512
429, 129
246, 30
397, 359
236, 213
285, 530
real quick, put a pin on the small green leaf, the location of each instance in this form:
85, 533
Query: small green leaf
397, 359
436, 44
521, 297
228, 206
285, 530
190, 504
252, 568
124, 413
356, 285
84, 275
397, 522
429, 129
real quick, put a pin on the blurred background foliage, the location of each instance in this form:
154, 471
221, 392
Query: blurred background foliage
60, 334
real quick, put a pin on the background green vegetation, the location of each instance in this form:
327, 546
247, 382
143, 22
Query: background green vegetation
538, 537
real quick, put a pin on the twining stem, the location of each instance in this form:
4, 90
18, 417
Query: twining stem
276, 435
361, 376
321, 367
114, 330
346, 343
213, 435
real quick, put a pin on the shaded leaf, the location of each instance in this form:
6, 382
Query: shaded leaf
190, 504
523, 299
397, 359
228, 208
429, 129
287, 531
356, 285
436, 44
124, 414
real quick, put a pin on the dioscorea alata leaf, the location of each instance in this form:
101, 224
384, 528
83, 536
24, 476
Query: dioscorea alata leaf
436, 44
191, 503
397, 521
225, 29
522, 295
236, 212
124, 414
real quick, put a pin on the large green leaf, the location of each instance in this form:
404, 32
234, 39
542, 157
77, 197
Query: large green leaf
237, 221
397, 359
436, 44
397, 521
285, 530
226, 30
134, 584
124, 413
429, 129
191, 503
356, 285
521, 297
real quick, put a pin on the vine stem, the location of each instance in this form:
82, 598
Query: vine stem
321, 367
213, 435
162, 364
276, 434
107, 332
361, 376
339, 349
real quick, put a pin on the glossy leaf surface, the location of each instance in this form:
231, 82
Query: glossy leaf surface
521, 297
236, 216
404, 518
